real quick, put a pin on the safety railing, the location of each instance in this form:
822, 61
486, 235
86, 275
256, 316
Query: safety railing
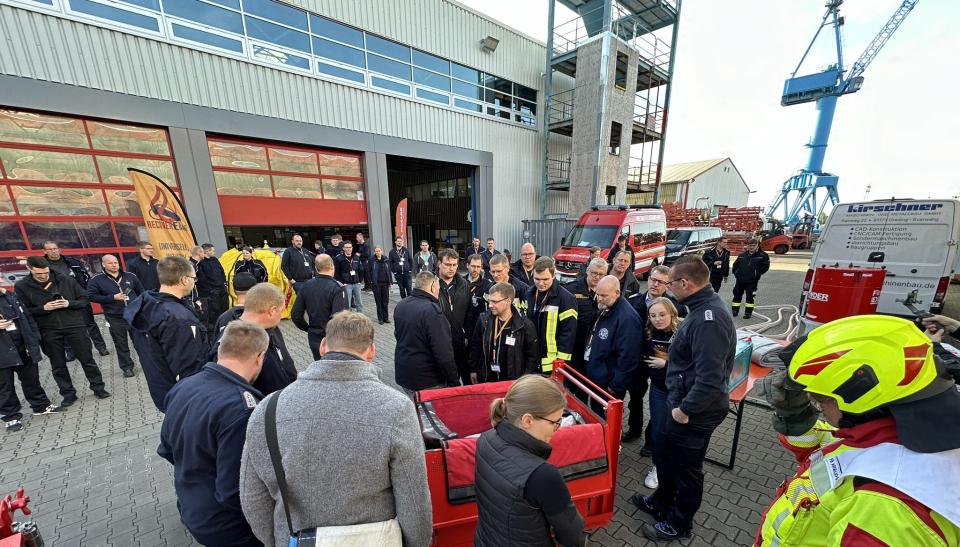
561, 106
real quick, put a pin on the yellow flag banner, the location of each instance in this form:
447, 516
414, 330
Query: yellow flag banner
168, 228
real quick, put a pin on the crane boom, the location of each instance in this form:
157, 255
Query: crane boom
870, 53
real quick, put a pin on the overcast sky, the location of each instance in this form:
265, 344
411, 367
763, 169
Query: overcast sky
899, 133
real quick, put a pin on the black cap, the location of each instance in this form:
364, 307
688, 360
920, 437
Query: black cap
243, 282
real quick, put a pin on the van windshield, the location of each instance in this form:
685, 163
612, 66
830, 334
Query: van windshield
589, 235
677, 237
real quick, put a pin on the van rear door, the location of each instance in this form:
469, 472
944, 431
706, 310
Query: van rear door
914, 240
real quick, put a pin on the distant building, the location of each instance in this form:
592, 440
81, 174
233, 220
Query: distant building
699, 184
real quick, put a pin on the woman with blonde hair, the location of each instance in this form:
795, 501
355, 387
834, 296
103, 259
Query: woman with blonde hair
662, 323
521, 499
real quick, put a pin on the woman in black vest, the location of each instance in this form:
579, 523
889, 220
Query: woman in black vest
514, 453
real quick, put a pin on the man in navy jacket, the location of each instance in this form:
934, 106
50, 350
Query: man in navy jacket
610, 352
113, 289
401, 263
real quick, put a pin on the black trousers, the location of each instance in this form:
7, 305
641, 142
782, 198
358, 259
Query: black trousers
93, 331
461, 359
313, 340
211, 306
741, 287
54, 341
120, 333
30, 383
716, 279
678, 453
381, 295
637, 390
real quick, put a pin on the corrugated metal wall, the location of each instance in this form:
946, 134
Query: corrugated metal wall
721, 185
48, 48
547, 234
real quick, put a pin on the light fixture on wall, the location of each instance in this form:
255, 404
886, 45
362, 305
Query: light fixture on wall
489, 44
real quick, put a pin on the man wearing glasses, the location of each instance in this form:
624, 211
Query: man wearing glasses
656, 287
170, 340
523, 268
504, 342
700, 360
583, 290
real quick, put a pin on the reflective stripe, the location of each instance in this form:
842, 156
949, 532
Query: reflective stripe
551, 335
775, 540
572, 312
735, 304
547, 360
749, 304
805, 441
564, 356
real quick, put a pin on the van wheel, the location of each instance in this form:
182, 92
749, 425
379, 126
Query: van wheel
781, 249
646, 274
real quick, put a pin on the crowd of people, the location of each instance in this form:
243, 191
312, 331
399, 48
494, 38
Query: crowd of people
252, 440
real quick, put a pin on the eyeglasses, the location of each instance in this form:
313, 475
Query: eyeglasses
594, 274
654, 281
528, 254
499, 301
556, 424
191, 276
668, 283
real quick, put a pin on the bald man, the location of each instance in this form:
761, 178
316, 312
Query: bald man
112, 289
611, 352
522, 269
320, 297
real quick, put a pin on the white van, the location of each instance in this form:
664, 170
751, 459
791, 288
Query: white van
915, 240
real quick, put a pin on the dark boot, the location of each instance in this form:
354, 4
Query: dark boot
735, 309
748, 313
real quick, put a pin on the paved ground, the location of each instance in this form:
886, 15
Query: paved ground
95, 478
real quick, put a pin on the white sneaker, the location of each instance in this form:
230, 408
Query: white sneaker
651, 480
14, 425
52, 409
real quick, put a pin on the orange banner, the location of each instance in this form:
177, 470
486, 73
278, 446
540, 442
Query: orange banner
402, 220
168, 228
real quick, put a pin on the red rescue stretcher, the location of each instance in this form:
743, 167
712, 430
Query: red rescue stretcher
586, 452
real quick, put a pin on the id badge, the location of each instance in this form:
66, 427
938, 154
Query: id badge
473, 300
586, 354
495, 367
401, 262
352, 273
510, 341
12, 327
306, 264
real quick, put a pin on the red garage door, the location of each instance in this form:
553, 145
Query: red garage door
264, 184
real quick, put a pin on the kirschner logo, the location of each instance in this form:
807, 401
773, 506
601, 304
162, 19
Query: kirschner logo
894, 207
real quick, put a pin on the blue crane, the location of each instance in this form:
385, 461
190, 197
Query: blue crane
825, 88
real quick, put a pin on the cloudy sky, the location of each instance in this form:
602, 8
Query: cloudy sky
899, 134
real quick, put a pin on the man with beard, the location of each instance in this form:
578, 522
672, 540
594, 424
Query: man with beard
455, 303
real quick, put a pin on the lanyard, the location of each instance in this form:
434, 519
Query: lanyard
495, 341
592, 330
538, 302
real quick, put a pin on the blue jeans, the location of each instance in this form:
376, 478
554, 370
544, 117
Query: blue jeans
353, 296
658, 412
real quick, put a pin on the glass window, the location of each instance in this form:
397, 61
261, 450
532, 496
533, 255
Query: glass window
432, 62
465, 73
388, 48
235, 4
463, 188
500, 113
390, 84
114, 169
207, 38
468, 90
337, 52
340, 166
293, 161
206, 14
431, 79
467, 105
153, 5
129, 233
229, 154
115, 14
339, 72
11, 240
336, 31
525, 93
52, 201
271, 55
30, 128
297, 187
276, 34
343, 189
6, 204
128, 138
388, 67
48, 166
525, 107
274, 11
70, 235
123, 203
498, 99
590, 235
242, 184
526, 120
431, 96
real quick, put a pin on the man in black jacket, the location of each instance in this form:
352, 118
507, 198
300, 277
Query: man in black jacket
622, 244
623, 270
170, 341
211, 287
583, 290
657, 287
500, 273
335, 247
66, 266
350, 272
378, 274
19, 354
320, 298
401, 263
522, 269
56, 304
479, 284
113, 289
748, 268
701, 357
504, 342
718, 260
489, 253
424, 352
455, 303
297, 263
263, 306
144, 266
362, 248
610, 353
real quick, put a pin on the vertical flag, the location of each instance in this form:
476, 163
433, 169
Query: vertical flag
401, 222
168, 228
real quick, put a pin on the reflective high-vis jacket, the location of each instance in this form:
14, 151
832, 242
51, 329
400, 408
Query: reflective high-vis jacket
555, 315
857, 512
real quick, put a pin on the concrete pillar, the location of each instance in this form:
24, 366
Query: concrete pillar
379, 213
199, 190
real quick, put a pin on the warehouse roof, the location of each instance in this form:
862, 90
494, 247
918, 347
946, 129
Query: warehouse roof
686, 172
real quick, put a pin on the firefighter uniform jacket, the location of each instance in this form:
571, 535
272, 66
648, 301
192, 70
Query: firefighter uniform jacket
748, 267
555, 315
815, 507
714, 255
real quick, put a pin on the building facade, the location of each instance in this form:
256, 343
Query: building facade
707, 184
267, 118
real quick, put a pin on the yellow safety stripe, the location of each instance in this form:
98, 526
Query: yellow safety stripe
749, 305
735, 304
551, 335
572, 312
564, 356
